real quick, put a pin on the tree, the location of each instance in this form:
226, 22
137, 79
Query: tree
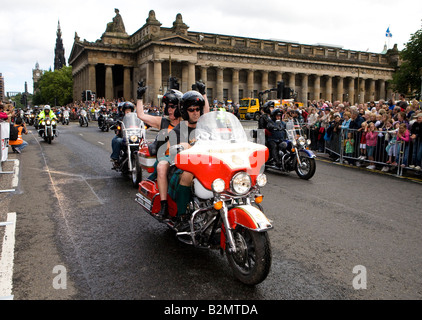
55, 87
407, 79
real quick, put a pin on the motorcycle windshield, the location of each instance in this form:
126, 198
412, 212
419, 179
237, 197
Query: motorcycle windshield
293, 130
219, 127
132, 122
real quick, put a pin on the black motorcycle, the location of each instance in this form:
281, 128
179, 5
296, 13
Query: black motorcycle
133, 134
83, 120
294, 153
104, 122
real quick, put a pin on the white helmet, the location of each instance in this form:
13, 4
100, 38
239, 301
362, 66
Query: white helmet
47, 107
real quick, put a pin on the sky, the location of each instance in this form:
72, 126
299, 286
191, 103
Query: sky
28, 28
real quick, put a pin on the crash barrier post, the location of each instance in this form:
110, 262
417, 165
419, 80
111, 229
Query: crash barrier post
390, 154
4, 138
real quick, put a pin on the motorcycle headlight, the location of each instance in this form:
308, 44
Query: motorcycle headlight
48, 122
301, 141
43, 123
261, 180
308, 142
133, 139
294, 143
218, 185
53, 123
241, 183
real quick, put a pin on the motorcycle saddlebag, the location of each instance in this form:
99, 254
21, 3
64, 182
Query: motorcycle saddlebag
148, 196
146, 160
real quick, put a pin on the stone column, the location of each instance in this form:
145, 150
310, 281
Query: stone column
381, 94
185, 78
92, 78
371, 95
304, 89
235, 85
340, 83
204, 76
329, 89
191, 75
264, 80
219, 84
109, 89
292, 81
317, 87
361, 91
127, 94
157, 81
351, 91
250, 83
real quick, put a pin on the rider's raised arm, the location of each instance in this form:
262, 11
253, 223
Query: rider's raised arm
201, 88
152, 121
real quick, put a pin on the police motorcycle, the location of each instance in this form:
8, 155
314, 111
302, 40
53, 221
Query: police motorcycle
65, 118
47, 129
225, 211
133, 134
294, 153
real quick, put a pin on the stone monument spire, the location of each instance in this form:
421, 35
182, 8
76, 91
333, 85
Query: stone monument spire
59, 59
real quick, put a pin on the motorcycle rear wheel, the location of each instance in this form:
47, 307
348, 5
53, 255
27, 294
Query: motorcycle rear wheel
252, 260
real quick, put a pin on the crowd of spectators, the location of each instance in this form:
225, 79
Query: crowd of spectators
380, 134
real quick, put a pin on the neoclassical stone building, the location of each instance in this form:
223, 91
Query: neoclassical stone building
232, 67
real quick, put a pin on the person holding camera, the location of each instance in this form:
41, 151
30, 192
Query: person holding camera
18, 144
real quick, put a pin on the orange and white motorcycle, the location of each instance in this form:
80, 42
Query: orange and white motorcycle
225, 211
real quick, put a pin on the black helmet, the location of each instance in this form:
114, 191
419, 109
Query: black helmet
173, 97
127, 105
267, 106
191, 98
276, 112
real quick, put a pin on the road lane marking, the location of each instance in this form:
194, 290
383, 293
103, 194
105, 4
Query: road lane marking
7, 256
100, 143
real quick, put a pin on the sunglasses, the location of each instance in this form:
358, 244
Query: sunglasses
172, 106
194, 109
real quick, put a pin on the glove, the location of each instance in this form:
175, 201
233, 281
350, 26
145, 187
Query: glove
141, 89
200, 86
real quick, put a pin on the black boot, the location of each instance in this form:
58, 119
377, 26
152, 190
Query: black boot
163, 214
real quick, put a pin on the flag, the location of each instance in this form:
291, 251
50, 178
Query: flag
388, 34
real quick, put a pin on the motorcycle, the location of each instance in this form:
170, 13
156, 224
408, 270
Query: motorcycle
133, 133
225, 211
83, 120
65, 119
47, 129
295, 154
104, 122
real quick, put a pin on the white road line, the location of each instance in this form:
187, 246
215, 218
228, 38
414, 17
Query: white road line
15, 180
100, 143
7, 256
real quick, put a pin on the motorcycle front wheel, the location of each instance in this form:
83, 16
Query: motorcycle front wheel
252, 260
307, 170
136, 171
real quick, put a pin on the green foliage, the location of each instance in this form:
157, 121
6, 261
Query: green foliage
55, 88
407, 79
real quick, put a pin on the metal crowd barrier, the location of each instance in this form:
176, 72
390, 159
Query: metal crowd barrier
389, 154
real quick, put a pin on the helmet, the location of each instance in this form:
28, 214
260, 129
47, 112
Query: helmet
173, 97
191, 98
267, 106
127, 105
47, 107
276, 112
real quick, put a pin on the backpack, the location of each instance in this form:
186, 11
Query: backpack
14, 132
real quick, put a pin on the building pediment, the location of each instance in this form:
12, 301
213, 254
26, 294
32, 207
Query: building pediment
176, 40
77, 49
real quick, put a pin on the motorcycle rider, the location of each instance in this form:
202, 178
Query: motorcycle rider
102, 113
276, 126
45, 113
267, 108
192, 106
116, 142
165, 124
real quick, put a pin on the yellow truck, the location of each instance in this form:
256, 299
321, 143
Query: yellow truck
249, 109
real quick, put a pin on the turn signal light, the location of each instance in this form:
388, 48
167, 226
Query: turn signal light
218, 205
118, 127
258, 199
